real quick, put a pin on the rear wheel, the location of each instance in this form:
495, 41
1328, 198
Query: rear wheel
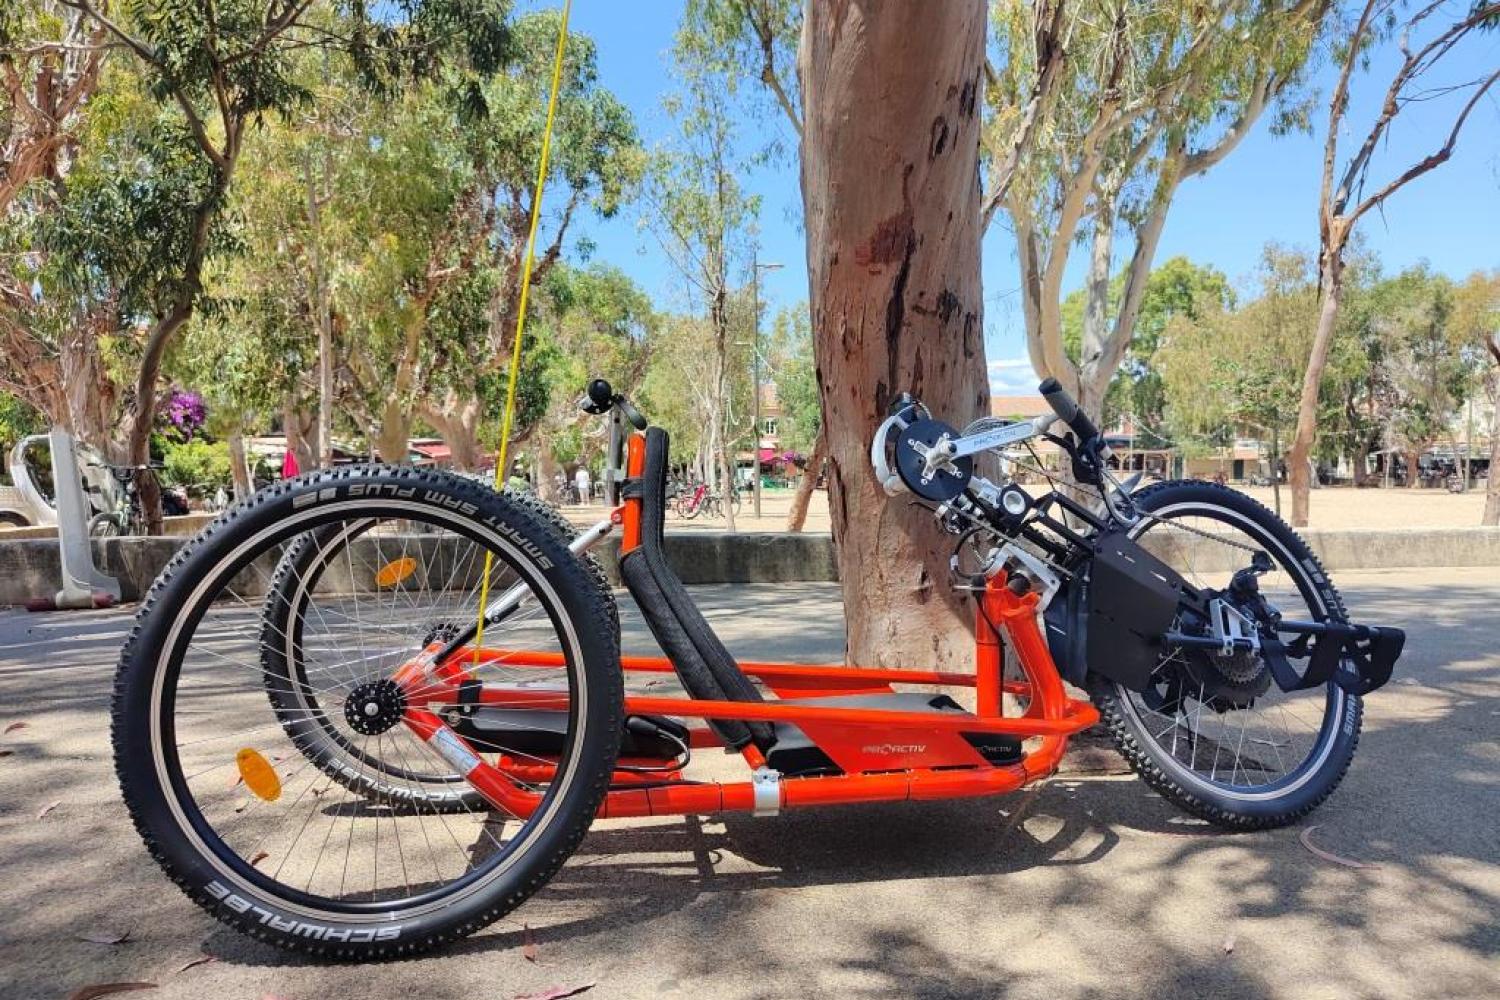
290, 648
1215, 735
238, 796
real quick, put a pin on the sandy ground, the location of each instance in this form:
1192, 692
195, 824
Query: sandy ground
1080, 888
1332, 507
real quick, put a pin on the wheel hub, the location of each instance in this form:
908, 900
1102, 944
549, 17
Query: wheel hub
375, 707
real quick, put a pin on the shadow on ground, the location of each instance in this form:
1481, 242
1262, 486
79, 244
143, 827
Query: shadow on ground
1086, 888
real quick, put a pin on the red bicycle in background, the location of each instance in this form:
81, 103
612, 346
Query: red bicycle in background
331, 741
697, 498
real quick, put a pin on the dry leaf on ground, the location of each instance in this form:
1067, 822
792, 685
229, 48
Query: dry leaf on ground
48, 808
1306, 839
556, 992
104, 936
105, 989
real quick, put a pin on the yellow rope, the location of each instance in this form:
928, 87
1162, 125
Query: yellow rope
515, 354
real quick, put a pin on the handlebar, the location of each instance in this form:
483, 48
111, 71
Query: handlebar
600, 398
1067, 410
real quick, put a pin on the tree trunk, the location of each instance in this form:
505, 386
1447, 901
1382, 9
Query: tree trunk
890, 179
1414, 468
1276, 459
809, 482
546, 476
1331, 275
323, 317
1492, 489
239, 469
394, 433
90, 393
301, 429
457, 423
143, 412
727, 473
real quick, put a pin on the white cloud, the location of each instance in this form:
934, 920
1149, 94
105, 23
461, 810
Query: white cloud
1012, 377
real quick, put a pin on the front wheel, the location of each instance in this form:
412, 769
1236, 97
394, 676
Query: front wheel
1215, 735
238, 797
106, 526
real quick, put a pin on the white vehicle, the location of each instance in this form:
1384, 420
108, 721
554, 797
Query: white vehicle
25, 502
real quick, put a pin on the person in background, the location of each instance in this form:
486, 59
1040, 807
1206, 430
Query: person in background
582, 481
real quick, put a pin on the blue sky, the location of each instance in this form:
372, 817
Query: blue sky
1267, 190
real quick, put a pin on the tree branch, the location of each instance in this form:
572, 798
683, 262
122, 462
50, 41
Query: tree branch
768, 73
1431, 161
1051, 53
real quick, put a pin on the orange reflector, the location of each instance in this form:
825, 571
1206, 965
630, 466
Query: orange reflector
395, 571
260, 777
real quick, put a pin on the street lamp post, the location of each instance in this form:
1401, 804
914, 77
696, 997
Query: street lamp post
756, 268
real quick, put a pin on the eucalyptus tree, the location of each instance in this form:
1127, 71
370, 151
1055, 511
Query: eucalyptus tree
595, 168
51, 69
596, 322
702, 216
1424, 39
1178, 287
1099, 113
213, 69
756, 42
1476, 322
1224, 371
1426, 361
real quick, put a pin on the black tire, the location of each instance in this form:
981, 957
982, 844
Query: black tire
9, 520
1301, 790
228, 885
307, 722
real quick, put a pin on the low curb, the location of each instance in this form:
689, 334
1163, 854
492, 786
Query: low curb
30, 568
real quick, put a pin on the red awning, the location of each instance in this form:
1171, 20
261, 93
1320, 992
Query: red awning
434, 452
768, 455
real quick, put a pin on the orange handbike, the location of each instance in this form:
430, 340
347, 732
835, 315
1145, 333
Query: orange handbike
326, 744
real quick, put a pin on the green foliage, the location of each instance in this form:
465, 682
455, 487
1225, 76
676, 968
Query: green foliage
1225, 372
1425, 365
195, 464
1178, 288
17, 420
127, 223
794, 370
747, 42
1402, 363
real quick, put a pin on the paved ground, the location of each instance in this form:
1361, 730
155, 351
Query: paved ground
1083, 887
1342, 507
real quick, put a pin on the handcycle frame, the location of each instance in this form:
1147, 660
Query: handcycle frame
930, 761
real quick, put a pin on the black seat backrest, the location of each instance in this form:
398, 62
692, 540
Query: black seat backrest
703, 664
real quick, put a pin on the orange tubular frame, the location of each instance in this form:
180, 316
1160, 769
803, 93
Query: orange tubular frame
931, 761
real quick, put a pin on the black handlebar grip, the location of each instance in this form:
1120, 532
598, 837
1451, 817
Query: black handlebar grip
1067, 409
597, 398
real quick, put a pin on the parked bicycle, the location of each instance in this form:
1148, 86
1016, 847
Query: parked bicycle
700, 499
373, 709
122, 512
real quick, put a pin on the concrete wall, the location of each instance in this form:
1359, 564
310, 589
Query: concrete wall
29, 567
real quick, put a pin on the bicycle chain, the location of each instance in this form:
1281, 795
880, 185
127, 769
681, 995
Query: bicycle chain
1142, 513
